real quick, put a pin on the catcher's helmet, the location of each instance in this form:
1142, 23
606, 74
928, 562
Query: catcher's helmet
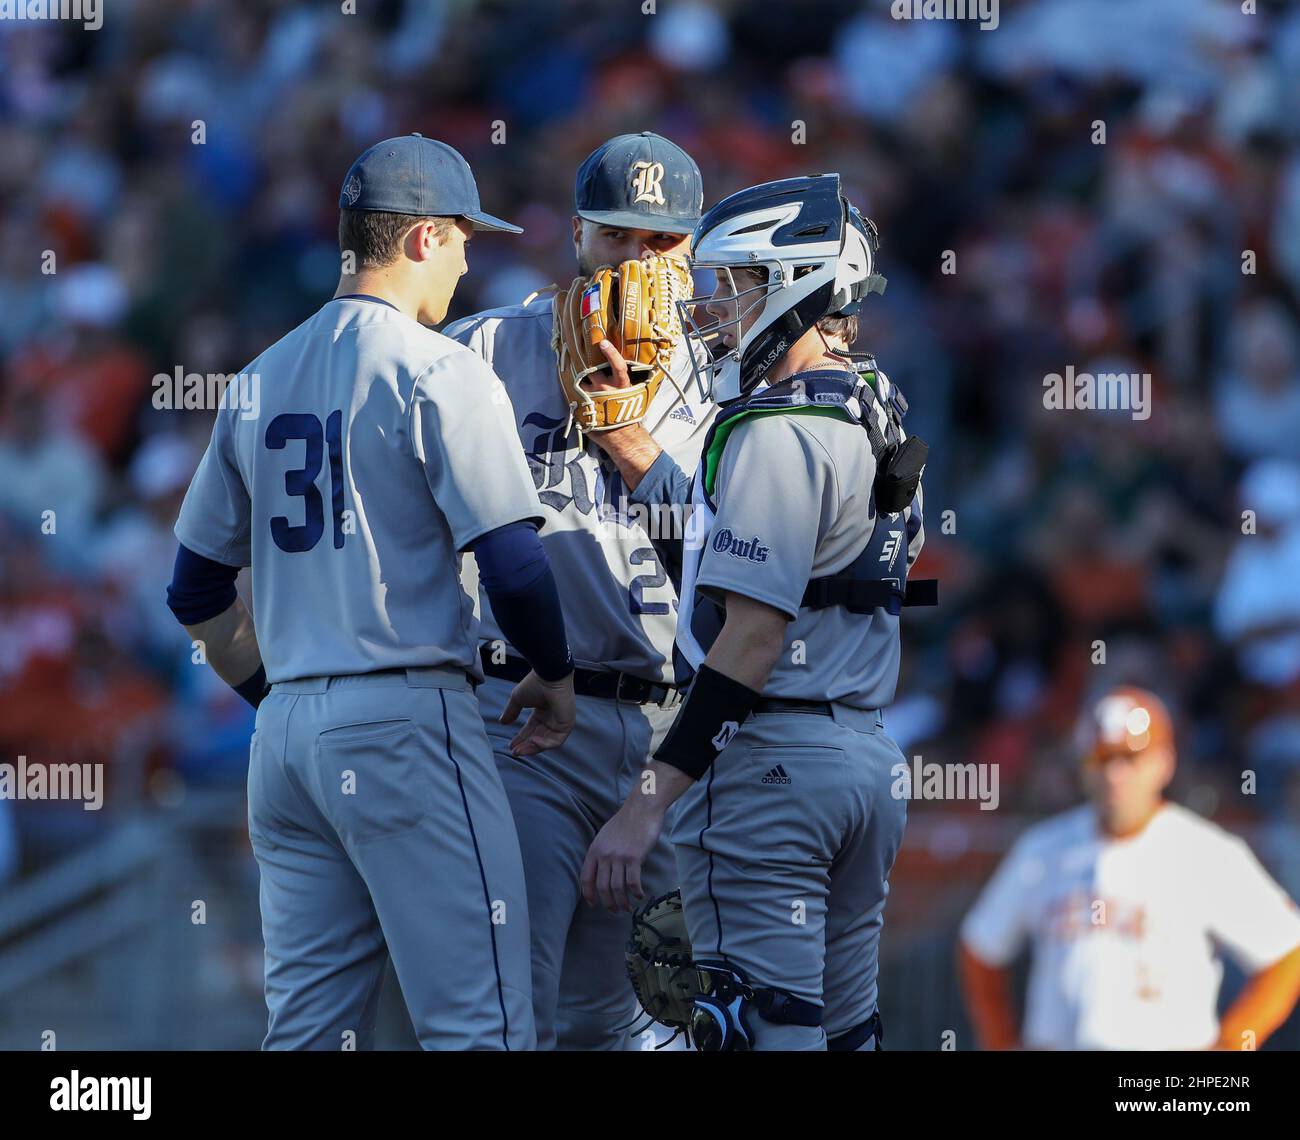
819, 255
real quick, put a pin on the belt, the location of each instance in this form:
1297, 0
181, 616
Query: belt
602, 683
418, 676
843, 714
790, 704
419, 670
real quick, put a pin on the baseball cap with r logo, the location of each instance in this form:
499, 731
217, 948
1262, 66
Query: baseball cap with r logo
642, 182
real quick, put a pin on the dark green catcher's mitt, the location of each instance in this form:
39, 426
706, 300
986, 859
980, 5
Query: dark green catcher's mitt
659, 963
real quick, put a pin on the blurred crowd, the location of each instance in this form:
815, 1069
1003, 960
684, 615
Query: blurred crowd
1096, 183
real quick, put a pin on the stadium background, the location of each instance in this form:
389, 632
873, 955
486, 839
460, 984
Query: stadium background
1069, 526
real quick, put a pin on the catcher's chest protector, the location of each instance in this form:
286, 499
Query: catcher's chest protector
877, 577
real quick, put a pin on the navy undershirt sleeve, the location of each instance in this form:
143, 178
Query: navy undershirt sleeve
516, 576
200, 588
665, 485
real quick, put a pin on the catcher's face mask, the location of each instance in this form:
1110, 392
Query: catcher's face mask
719, 325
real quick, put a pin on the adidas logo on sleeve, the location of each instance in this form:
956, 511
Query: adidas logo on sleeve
777, 776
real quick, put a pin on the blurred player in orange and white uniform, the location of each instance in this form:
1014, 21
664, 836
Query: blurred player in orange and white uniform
1126, 902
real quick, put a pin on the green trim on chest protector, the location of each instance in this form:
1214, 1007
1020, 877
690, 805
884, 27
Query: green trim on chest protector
713, 457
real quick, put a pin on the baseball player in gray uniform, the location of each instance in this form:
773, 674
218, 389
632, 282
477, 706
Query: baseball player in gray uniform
636, 195
806, 513
378, 451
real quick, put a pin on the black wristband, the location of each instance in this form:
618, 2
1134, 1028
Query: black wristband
714, 709
255, 688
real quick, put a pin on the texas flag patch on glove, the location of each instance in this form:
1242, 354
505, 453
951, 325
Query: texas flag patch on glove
591, 299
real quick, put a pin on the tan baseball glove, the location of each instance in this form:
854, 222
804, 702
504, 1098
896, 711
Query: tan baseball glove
634, 306
659, 962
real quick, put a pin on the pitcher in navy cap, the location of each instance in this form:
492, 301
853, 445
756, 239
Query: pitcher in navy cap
635, 194
407, 208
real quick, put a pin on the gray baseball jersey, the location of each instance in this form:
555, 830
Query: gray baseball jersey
793, 495
619, 604
784, 848
620, 613
380, 450
376, 451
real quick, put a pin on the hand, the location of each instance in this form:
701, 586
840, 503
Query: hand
612, 869
631, 447
554, 712
618, 375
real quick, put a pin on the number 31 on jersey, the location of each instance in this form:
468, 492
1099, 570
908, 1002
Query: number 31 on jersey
300, 482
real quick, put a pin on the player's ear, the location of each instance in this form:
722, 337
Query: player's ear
1167, 765
425, 238
416, 244
577, 234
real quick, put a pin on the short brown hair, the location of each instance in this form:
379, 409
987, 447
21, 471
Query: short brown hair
376, 237
846, 327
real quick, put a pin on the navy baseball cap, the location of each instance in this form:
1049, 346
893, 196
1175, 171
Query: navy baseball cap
643, 182
417, 176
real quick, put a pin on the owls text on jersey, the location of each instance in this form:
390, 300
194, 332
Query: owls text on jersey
381, 450
619, 604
